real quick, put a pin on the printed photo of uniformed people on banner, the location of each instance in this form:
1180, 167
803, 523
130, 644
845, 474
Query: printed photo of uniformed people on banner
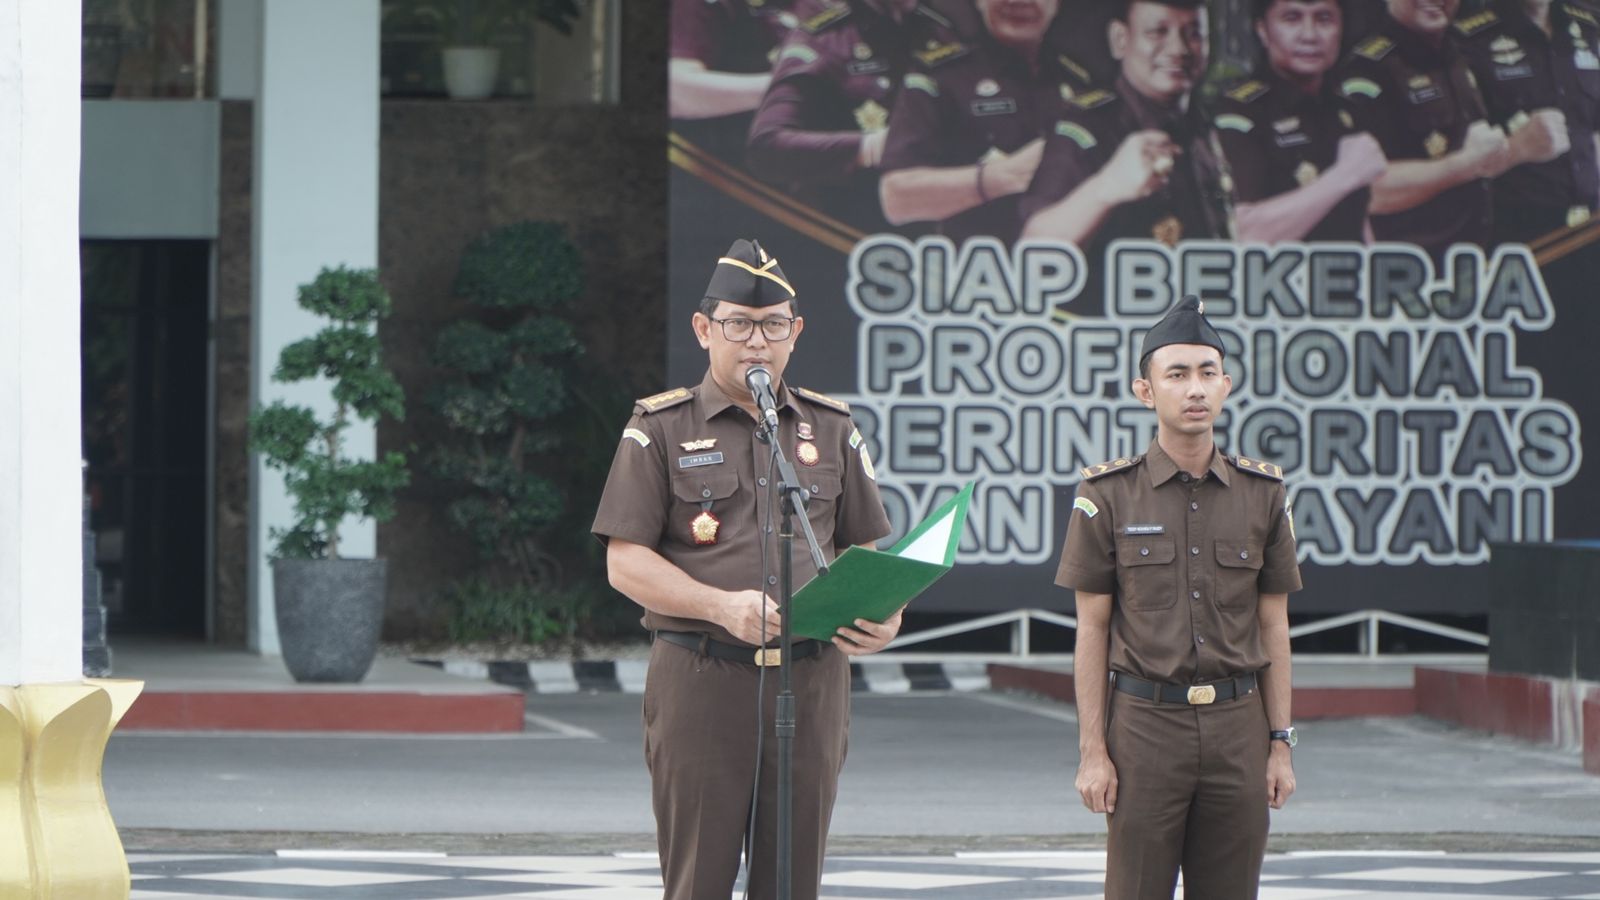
1387, 208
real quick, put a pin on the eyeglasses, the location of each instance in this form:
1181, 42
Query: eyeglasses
739, 329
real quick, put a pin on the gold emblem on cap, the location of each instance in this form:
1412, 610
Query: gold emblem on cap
701, 444
703, 528
1436, 144
988, 87
872, 116
1577, 215
862, 51
806, 452
1305, 173
1168, 231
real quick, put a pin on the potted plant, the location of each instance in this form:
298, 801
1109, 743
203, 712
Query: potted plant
469, 28
330, 608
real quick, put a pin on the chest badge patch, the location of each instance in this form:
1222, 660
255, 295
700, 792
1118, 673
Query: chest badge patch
1305, 173
701, 444
872, 116
1087, 505
703, 528
1436, 144
861, 51
803, 431
988, 87
806, 452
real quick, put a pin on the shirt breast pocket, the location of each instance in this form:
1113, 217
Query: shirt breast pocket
1238, 573
822, 500
709, 492
1146, 574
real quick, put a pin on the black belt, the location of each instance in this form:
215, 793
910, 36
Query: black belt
755, 656
1188, 694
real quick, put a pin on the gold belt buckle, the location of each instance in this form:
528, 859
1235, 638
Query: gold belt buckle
771, 656
1202, 694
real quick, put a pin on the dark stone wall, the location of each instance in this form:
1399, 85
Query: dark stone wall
452, 170
231, 509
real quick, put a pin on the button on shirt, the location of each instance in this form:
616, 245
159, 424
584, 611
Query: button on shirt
1185, 563
657, 488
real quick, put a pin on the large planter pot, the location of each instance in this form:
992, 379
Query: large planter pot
330, 613
470, 72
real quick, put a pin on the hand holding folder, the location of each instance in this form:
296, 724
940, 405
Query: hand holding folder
871, 584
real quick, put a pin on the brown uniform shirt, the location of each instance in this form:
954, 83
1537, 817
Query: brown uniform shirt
1185, 560
1521, 69
1417, 100
1277, 138
1191, 205
965, 100
658, 486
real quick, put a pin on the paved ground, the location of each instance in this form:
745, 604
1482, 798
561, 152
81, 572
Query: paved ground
927, 773
1036, 875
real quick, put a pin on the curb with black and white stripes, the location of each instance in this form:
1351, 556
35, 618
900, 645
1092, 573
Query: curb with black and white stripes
626, 676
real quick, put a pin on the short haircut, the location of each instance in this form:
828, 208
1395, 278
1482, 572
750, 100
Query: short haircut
1123, 7
1258, 8
708, 305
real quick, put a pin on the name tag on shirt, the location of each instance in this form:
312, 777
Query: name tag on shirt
1425, 94
700, 459
1000, 106
1144, 529
1509, 73
866, 67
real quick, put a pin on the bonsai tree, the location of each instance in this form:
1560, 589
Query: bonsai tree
327, 485
509, 371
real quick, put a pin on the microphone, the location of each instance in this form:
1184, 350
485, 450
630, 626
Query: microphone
759, 381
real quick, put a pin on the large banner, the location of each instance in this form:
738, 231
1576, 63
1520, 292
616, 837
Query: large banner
1386, 209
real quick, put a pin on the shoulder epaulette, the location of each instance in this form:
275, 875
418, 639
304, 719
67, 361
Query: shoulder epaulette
939, 54
824, 399
916, 81
1071, 65
1581, 14
1249, 91
663, 400
1375, 47
1234, 122
1365, 87
1475, 23
1090, 473
830, 15
1257, 467
1076, 133
1092, 99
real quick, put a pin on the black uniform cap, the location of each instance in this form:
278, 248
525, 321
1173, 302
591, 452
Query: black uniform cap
747, 276
1184, 323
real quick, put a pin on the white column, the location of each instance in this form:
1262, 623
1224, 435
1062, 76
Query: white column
316, 204
41, 574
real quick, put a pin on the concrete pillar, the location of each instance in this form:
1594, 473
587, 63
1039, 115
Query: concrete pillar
316, 205
57, 838
41, 599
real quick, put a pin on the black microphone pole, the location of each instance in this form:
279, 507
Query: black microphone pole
792, 497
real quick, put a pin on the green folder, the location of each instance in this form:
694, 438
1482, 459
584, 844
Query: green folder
872, 584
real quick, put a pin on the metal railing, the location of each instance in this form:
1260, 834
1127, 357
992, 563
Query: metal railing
1020, 622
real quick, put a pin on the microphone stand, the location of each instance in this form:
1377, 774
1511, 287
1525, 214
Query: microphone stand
792, 496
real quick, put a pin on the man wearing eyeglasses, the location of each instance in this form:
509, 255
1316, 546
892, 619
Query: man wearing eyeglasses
690, 531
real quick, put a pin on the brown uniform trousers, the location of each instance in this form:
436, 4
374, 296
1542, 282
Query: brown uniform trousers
1191, 792
707, 743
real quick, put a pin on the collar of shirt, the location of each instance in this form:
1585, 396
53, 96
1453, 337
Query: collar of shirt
1147, 113
1416, 49
1289, 96
1162, 469
713, 401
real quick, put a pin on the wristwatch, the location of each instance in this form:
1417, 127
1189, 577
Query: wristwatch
1287, 735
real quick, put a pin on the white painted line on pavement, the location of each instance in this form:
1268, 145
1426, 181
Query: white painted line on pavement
1066, 714
359, 854
559, 727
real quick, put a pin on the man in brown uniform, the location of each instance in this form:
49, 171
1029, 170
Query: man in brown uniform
688, 520
1299, 172
967, 125
1409, 86
1538, 65
720, 64
1182, 560
1137, 160
821, 127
